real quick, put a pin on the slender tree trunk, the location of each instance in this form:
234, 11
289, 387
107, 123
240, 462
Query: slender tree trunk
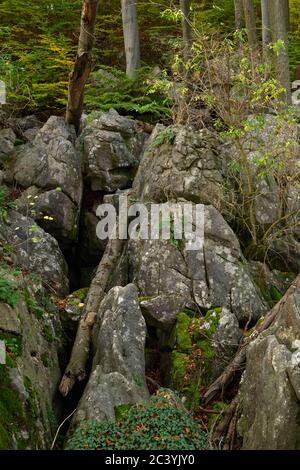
187, 32
83, 63
131, 36
279, 33
238, 11
266, 26
251, 24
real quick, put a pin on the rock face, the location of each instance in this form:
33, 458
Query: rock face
270, 388
188, 167
36, 251
51, 164
216, 275
111, 150
118, 371
30, 377
7, 141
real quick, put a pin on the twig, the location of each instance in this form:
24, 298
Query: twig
59, 428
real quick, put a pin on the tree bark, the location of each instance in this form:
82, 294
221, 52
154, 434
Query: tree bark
251, 24
83, 63
187, 32
266, 26
238, 11
279, 33
131, 36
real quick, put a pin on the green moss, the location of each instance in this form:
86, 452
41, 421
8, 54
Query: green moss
179, 365
45, 359
275, 294
47, 333
13, 343
33, 305
218, 407
121, 411
78, 296
12, 415
183, 337
149, 297
213, 318
192, 360
9, 292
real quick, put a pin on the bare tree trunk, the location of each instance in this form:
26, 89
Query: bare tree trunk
187, 32
131, 36
76, 369
239, 12
279, 33
251, 24
266, 26
83, 63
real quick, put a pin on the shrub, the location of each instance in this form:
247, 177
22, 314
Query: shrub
160, 423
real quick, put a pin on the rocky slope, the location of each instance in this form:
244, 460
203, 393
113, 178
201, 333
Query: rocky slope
171, 317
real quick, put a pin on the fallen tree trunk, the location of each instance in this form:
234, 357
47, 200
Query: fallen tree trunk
239, 360
76, 369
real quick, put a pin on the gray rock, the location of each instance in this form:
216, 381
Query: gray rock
112, 121
8, 321
215, 276
108, 161
53, 210
7, 141
161, 311
269, 391
50, 161
225, 342
30, 134
118, 370
35, 375
189, 168
36, 251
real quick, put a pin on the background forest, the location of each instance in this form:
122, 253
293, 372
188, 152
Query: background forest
38, 45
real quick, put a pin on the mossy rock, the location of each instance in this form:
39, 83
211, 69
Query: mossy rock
183, 337
15, 416
77, 297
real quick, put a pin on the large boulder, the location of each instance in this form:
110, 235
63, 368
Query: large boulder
118, 370
35, 250
111, 149
181, 163
53, 210
216, 275
30, 376
50, 161
270, 387
7, 141
50, 169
